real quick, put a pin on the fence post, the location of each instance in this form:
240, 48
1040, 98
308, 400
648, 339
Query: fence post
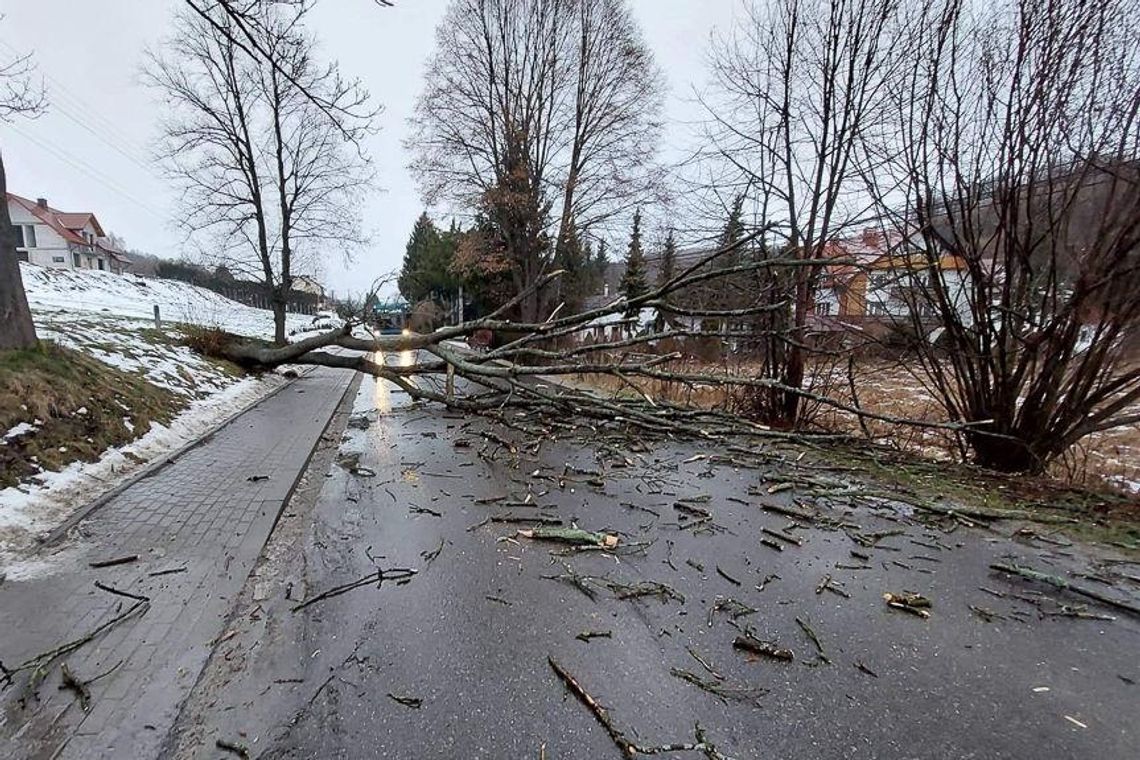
157, 318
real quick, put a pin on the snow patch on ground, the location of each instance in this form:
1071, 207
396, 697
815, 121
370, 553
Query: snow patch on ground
42, 565
1131, 486
19, 429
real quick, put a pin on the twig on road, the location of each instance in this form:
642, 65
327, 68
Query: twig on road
627, 747
587, 635
807, 629
734, 608
413, 702
40, 663
429, 556
233, 747
753, 645
113, 562
727, 577
748, 694
71, 683
378, 577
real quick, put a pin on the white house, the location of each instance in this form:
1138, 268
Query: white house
51, 238
303, 283
880, 280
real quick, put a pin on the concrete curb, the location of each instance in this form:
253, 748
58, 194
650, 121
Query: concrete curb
58, 533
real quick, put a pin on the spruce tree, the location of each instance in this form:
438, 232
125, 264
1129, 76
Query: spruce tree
426, 271
734, 225
573, 286
424, 236
728, 293
635, 280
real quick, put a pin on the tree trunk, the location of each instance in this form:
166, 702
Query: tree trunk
1003, 454
279, 305
794, 376
16, 327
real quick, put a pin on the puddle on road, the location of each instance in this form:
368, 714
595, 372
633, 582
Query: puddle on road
383, 391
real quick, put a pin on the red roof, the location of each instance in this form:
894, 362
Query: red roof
64, 223
103, 245
77, 221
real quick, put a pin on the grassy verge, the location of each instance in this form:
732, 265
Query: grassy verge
1101, 515
73, 407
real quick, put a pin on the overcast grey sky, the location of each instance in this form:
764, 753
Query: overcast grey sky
92, 150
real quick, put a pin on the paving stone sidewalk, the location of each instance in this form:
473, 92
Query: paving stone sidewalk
204, 518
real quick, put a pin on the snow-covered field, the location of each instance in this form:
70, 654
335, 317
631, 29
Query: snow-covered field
111, 318
75, 292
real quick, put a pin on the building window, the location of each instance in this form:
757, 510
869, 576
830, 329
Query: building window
101, 267
76, 261
57, 259
25, 235
823, 307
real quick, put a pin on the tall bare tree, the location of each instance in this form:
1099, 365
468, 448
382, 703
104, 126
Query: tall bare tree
264, 146
19, 96
542, 114
1014, 181
796, 86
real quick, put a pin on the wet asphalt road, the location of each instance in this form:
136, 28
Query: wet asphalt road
470, 634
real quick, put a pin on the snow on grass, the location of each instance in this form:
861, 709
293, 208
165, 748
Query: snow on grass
94, 292
21, 429
134, 346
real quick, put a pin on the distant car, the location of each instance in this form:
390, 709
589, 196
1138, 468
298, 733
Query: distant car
391, 329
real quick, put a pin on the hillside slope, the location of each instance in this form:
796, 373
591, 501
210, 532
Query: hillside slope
69, 291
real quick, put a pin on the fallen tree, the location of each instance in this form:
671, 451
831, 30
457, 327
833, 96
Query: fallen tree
538, 366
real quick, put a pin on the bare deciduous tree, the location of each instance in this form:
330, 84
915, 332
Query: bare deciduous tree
265, 148
1014, 187
796, 87
542, 114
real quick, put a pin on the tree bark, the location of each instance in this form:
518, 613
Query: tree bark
279, 308
16, 327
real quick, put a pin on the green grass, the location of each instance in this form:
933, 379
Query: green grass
52, 384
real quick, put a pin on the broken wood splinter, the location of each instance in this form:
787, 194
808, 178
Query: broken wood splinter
575, 536
750, 643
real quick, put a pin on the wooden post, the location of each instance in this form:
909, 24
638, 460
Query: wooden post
157, 318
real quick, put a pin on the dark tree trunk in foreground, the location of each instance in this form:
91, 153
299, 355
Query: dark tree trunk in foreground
16, 327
